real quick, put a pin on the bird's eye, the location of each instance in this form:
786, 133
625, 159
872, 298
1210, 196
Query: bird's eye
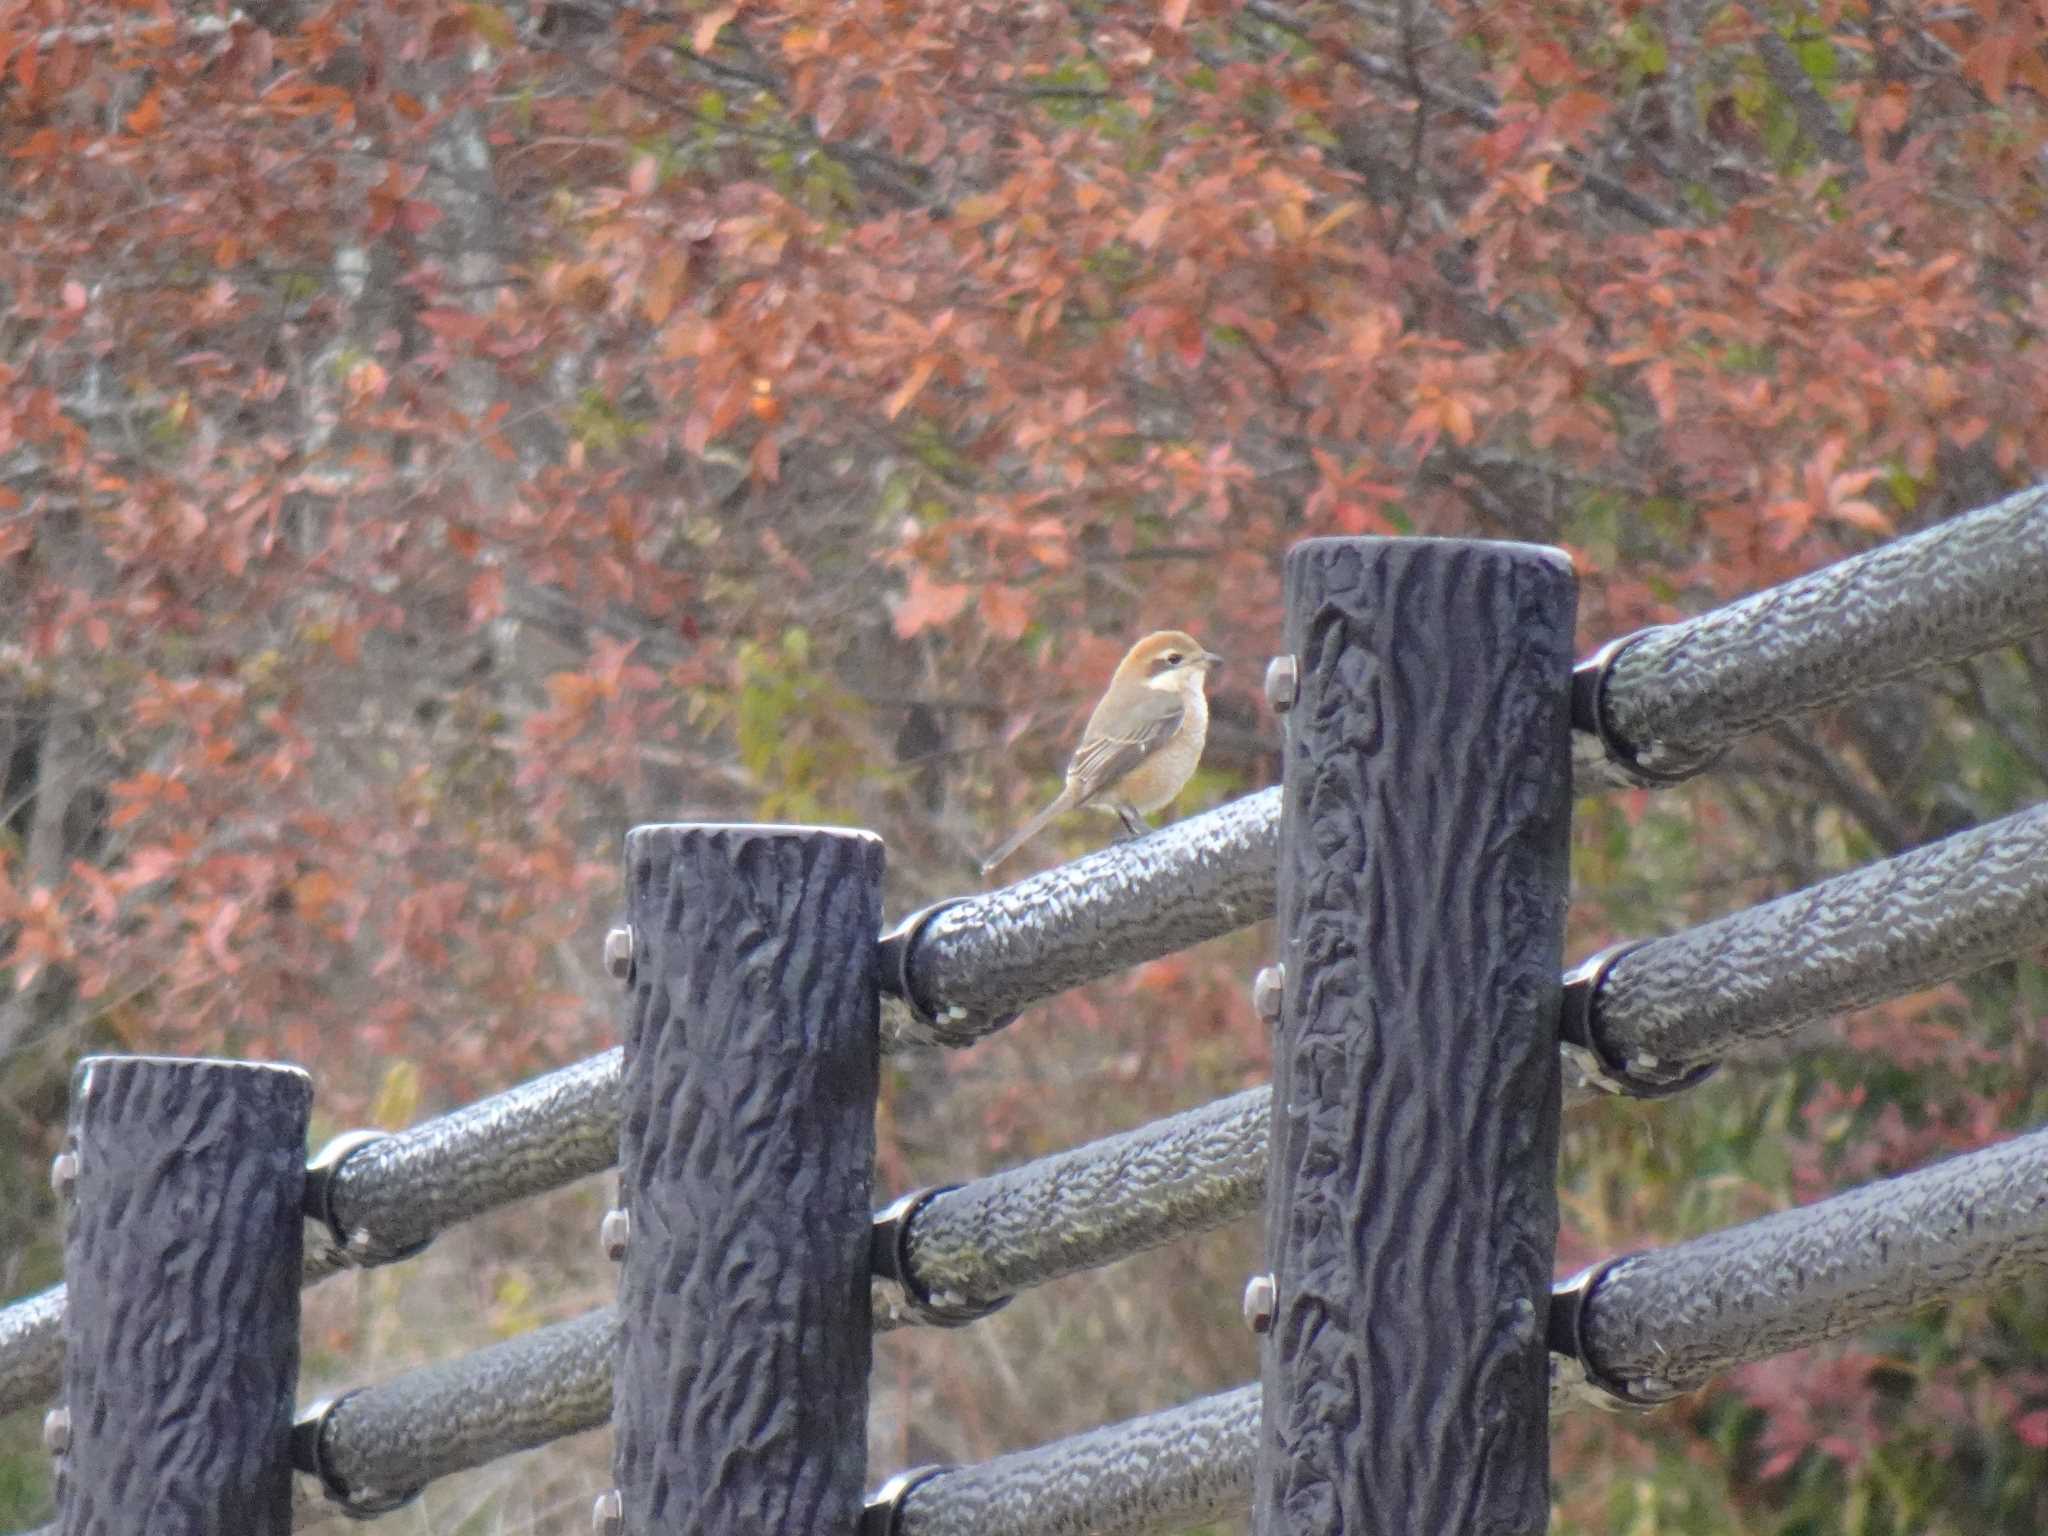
1173, 658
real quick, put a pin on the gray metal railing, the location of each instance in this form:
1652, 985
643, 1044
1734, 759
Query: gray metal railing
1648, 1017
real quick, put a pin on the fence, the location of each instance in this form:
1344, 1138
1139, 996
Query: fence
1414, 858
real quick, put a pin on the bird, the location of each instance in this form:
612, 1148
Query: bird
1142, 741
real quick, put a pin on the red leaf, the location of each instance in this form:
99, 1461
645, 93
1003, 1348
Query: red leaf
928, 603
418, 217
454, 324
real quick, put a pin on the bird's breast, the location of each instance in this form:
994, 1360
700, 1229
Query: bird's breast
1161, 776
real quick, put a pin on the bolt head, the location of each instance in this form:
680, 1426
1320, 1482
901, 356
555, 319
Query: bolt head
614, 1232
57, 1431
618, 953
1261, 1296
1267, 988
608, 1514
1283, 680
64, 1174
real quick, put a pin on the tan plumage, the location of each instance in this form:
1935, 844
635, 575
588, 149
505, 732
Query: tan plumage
1142, 742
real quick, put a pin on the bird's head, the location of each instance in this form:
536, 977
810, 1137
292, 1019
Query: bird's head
1168, 659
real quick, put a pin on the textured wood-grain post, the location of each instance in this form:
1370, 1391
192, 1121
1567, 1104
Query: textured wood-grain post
748, 1130
1411, 1207
181, 1329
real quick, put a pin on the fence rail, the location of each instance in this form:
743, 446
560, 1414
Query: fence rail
968, 967
1649, 1324
1654, 1323
1648, 1017
1686, 690
1666, 1008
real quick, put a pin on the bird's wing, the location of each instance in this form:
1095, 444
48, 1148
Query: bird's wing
1103, 759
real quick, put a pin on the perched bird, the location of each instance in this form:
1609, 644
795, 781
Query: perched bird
1142, 742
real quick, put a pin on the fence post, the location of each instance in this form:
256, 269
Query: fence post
745, 1144
1411, 1206
181, 1262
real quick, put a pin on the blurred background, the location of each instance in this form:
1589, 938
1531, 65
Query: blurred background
437, 436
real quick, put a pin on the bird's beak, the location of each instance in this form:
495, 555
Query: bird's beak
1211, 659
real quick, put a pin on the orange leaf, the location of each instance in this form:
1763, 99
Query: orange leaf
1576, 112
1421, 428
150, 865
928, 603
217, 934
978, 209
1148, 226
1861, 514
486, 595
706, 36
1990, 64
1658, 378
148, 115
1005, 611
1792, 518
315, 891
920, 376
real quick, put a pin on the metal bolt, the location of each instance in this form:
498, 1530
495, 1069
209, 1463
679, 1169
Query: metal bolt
618, 953
1261, 1296
608, 1514
64, 1174
1283, 679
57, 1431
1267, 987
614, 1232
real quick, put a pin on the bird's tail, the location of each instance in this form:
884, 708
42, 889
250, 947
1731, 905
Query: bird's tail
1029, 830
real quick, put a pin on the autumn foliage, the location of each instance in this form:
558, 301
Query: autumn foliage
435, 436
